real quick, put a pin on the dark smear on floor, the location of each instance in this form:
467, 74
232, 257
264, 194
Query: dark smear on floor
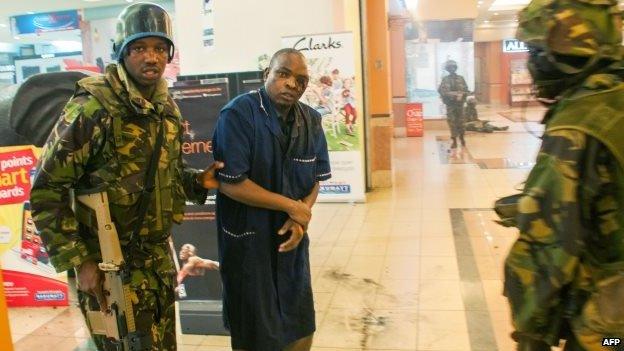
365, 322
347, 278
368, 325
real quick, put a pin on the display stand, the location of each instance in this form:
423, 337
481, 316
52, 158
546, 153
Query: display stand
199, 295
5, 332
521, 85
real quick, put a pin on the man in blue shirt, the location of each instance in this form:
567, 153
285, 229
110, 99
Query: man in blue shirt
275, 154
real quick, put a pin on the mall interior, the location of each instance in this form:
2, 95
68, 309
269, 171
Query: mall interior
405, 253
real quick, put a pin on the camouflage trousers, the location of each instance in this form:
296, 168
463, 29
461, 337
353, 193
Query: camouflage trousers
154, 312
573, 345
455, 120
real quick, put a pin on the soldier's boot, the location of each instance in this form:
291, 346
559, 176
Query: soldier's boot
461, 139
526, 344
454, 144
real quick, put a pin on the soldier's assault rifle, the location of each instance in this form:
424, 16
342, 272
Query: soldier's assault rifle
116, 319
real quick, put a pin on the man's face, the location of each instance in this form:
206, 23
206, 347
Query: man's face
451, 68
287, 80
146, 59
186, 251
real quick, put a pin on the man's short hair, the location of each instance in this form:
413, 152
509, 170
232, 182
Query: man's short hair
284, 51
189, 247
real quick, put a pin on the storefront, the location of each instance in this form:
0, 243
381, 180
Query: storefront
503, 77
428, 46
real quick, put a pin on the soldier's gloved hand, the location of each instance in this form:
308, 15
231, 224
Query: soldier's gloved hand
208, 178
90, 279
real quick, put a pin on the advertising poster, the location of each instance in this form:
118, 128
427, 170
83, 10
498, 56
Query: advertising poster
332, 91
195, 241
29, 278
38, 23
414, 119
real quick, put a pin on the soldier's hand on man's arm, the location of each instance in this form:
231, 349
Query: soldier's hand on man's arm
208, 178
296, 234
91, 280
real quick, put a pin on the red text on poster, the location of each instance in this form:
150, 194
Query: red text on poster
15, 170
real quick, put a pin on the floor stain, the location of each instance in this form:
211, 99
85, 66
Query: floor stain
362, 318
368, 325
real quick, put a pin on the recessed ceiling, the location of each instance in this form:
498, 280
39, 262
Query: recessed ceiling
499, 13
508, 5
503, 13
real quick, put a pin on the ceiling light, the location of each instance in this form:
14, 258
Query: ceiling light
510, 5
486, 21
411, 4
495, 13
30, 13
16, 37
3, 25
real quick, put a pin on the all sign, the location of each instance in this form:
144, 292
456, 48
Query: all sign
514, 45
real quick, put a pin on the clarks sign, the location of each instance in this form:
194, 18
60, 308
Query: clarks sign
308, 43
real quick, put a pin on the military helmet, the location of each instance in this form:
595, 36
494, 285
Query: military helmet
142, 20
570, 32
450, 63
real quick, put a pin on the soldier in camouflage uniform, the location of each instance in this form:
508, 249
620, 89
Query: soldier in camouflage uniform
454, 91
472, 122
564, 276
105, 137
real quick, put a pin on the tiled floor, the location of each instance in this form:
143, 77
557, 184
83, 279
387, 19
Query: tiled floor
417, 267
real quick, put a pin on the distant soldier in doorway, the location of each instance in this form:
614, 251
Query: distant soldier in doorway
454, 91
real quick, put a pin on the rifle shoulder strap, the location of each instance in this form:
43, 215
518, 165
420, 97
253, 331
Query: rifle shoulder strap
148, 188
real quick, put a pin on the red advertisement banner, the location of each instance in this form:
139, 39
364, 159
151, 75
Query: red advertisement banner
414, 119
25, 289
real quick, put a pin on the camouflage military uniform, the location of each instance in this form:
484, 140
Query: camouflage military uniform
453, 91
564, 276
472, 122
106, 136
571, 228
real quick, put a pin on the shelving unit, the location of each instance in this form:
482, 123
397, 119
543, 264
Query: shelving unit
521, 84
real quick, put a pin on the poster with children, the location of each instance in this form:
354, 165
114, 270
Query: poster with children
333, 91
